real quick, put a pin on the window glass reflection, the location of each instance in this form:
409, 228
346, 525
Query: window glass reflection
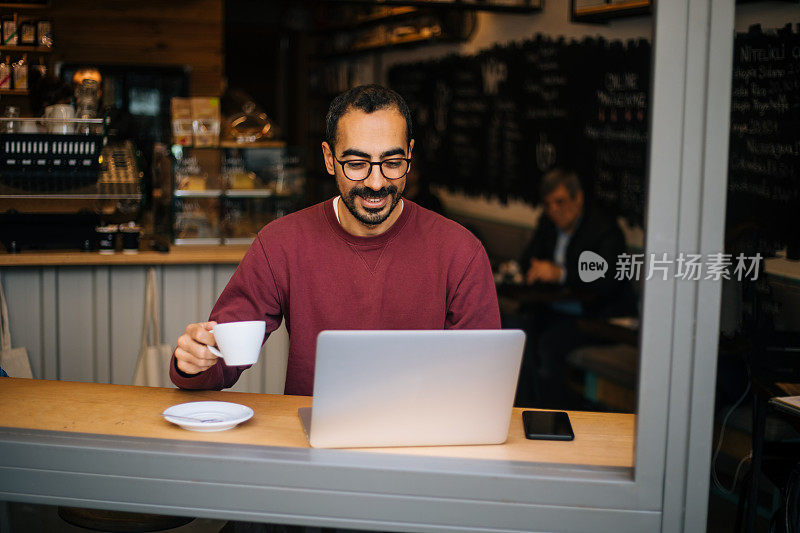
760, 311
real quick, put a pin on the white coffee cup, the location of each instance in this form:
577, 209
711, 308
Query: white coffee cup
239, 343
60, 115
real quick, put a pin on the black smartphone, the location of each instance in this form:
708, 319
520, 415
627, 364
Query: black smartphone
547, 425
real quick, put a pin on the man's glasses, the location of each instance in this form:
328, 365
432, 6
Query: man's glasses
359, 169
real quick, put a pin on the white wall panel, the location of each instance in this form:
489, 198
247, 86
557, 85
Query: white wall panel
75, 324
180, 300
24, 289
84, 323
49, 306
127, 309
101, 301
206, 290
222, 275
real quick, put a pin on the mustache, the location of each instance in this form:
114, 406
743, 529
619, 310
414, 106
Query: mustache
366, 192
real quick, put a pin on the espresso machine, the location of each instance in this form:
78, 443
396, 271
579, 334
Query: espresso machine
56, 186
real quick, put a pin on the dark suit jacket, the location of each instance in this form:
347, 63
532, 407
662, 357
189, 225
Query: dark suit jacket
599, 233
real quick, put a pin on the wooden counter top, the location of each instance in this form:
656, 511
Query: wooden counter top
601, 439
178, 255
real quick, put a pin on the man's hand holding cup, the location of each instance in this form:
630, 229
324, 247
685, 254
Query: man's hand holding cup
238, 343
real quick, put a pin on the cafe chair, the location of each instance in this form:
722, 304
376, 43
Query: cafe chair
118, 521
773, 366
607, 375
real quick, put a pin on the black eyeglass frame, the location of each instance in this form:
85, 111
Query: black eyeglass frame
373, 163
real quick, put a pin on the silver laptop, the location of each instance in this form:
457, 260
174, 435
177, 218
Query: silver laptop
413, 388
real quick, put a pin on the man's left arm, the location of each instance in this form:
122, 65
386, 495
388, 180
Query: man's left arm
472, 304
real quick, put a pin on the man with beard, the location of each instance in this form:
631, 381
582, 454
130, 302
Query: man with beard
367, 259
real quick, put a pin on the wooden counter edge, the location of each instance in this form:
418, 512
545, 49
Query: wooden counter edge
227, 254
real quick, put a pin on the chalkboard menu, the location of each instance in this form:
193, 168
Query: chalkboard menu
615, 129
764, 165
492, 124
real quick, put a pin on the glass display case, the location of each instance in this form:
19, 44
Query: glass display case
226, 194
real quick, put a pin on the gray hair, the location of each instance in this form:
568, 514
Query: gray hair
559, 176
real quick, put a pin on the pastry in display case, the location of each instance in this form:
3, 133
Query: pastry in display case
226, 195
236, 177
243, 218
196, 220
280, 171
189, 176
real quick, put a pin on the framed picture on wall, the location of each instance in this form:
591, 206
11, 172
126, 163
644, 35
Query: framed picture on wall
602, 10
509, 6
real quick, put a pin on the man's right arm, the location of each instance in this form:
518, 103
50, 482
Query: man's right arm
532, 250
251, 294
537, 249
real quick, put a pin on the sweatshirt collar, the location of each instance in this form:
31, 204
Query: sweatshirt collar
386, 236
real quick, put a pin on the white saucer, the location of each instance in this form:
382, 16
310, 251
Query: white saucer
230, 415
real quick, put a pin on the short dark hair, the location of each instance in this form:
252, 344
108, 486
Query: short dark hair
560, 176
367, 98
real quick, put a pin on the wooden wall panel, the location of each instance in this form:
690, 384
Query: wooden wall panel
144, 32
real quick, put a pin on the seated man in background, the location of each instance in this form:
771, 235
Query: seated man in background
367, 259
567, 228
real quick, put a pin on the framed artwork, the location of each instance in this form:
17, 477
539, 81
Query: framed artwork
508, 6
602, 10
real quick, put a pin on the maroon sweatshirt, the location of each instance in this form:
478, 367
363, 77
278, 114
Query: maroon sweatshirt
425, 272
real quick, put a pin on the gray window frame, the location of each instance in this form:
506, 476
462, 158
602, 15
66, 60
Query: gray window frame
668, 488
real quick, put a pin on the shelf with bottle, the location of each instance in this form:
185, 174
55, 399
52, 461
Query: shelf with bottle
225, 171
230, 193
16, 76
425, 36
269, 143
231, 144
26, 48
25, 33
27, 5
60, 121
198, 123
364, 17
498, 6
407, 28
